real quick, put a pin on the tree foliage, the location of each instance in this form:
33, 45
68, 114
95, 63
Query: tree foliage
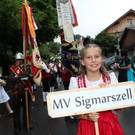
45, 15
49, 49
46, 18
106, 42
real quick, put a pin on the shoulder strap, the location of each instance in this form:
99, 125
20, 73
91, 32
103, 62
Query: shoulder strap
105, 80
53, 66
81, 82
16, 70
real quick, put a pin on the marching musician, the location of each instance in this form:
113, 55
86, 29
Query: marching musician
45, 79
18, 75
53, 74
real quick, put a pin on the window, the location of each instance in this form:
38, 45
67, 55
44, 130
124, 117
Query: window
129, 21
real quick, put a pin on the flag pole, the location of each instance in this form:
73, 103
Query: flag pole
24, 52
96, 128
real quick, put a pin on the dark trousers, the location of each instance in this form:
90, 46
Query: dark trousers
52, 80
66, 85
17, 104
46, 84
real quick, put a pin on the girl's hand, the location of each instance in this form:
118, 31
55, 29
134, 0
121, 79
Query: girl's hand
118, 110
103, 84
92, 116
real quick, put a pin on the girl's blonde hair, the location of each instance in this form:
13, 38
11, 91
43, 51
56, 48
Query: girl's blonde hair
83, 68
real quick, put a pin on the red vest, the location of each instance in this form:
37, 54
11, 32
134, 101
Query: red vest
66, 76
45, 74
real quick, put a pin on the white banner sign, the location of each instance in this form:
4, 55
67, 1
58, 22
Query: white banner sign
60, 23
95, 99
67, 23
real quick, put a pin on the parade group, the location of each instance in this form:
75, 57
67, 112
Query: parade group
52, 70
93, 73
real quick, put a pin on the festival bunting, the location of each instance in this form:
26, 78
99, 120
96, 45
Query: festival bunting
32, 53
81, 42
72, 12
67, 19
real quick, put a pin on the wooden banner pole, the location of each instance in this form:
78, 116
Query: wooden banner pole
27, 111
96, 128
26, 91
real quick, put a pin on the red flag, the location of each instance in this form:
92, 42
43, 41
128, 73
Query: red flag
31, 47
74, 14
63, 42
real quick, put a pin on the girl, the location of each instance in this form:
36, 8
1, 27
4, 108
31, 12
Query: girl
93, 73
4, 97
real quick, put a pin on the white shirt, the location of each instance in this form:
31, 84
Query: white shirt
74, 84
55, 67
45, 67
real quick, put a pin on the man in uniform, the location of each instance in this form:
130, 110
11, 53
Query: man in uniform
53, 74
18, 76
45, 79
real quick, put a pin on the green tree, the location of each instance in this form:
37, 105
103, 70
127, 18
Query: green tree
106, 42
50, 49
10, 31
45, 15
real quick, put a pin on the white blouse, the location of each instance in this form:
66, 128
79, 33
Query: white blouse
74, 84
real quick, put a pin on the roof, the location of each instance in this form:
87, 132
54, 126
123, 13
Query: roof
125, 34
131, 12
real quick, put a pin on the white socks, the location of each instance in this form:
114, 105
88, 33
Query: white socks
11, 112
44, 96
52, 89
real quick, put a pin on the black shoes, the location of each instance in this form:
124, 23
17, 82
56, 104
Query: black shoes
17, 130
30, 127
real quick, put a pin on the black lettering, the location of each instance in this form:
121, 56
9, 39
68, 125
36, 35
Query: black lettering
118, 97
83, 102
130, 93
113, 98
57, 105
67, 104
124, 96
103, 99
88, 105
127, 93
77, 100
108, 98
97, 100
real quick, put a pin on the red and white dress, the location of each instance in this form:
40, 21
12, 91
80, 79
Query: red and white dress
108, 124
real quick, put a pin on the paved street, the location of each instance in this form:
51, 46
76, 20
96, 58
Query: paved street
41, 122
44, 125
